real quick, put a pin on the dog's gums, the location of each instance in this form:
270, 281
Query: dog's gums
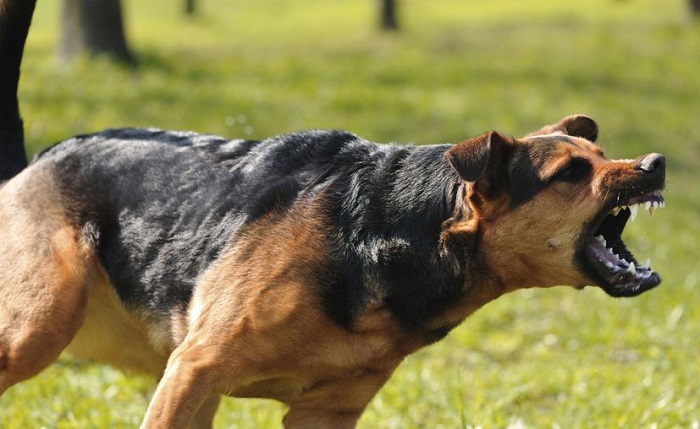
607, 254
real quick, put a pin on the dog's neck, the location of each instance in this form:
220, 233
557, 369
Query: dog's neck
394, 237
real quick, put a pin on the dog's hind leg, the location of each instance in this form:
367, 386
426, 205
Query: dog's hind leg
46, 269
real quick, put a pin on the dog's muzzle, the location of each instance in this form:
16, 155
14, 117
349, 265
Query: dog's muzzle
605, 255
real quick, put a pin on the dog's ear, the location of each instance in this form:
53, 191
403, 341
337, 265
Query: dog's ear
472, 158
574, 125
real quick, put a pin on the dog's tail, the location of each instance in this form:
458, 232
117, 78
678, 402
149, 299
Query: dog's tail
15, 19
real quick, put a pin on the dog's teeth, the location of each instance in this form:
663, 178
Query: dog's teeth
632, 269
647, 206
601, 240
646, 264
609, 264
633, 211
615, 211
651, 210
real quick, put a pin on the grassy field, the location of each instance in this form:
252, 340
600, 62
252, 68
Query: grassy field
539, 358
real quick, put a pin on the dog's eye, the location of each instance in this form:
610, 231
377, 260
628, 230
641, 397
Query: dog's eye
574, 171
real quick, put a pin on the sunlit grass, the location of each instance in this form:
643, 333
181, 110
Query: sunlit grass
540, 358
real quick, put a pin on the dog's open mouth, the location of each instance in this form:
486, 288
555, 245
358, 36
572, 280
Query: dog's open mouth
619, 271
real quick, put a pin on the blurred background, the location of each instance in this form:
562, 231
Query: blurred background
412, 71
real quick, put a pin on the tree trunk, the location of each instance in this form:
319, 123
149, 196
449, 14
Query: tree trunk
93, 27
189, 7
388, 20
15, 18
695, 9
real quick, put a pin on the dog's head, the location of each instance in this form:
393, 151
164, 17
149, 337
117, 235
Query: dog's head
549, 209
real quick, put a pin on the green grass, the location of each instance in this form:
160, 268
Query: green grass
541, 358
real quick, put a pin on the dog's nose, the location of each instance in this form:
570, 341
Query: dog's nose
652, 163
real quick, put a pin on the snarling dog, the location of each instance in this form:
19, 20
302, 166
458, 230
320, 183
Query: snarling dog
301, 268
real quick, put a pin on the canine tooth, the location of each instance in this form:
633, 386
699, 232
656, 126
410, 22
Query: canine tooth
646, 264
647, 205
609, 264
633, 211
632, 269
615, 211
652, 209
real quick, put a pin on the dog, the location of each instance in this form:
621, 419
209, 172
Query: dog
301, 268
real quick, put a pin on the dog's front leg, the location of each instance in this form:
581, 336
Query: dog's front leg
185, 397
